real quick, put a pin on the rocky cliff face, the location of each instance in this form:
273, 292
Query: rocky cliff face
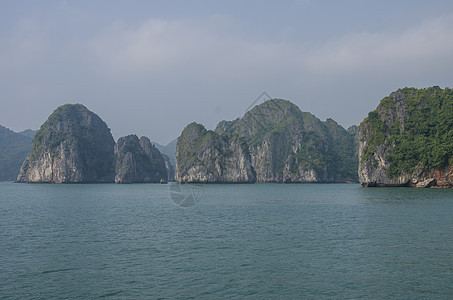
157, 159
170, 168
73, 146
137, 161
407, 140
204, 156
282, 144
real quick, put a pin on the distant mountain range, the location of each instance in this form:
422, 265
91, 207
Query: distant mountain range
14, 148
169, 150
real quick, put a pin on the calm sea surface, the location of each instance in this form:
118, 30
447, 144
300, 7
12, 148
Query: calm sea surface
262, 241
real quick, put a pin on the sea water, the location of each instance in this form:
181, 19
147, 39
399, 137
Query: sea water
261, 241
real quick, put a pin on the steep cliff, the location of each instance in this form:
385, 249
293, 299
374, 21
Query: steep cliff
169, 153
205, 156
408, 140
157, 159
137, 161
73, 146
170, 168
284, 145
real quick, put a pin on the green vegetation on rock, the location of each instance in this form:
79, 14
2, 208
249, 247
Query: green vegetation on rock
73, 145
206, 156
419, 126
284, 145
67, 121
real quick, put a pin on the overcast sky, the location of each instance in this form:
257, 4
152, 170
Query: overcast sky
152, 67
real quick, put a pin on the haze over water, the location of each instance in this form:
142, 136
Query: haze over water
259, 241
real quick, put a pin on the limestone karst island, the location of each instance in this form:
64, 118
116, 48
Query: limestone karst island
75, 146
406, 141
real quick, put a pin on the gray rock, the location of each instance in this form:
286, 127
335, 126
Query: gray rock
137, 161
273, 142
204, 156
73, 146
375, 154
426, 183
170, 168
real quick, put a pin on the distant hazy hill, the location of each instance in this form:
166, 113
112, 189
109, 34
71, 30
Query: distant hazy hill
29, 133
14, 148
169, 150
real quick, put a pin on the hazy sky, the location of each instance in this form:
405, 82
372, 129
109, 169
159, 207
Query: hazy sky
152, 67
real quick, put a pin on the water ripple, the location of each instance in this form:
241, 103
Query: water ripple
247, 241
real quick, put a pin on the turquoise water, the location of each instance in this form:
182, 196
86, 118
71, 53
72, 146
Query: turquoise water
262, 241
